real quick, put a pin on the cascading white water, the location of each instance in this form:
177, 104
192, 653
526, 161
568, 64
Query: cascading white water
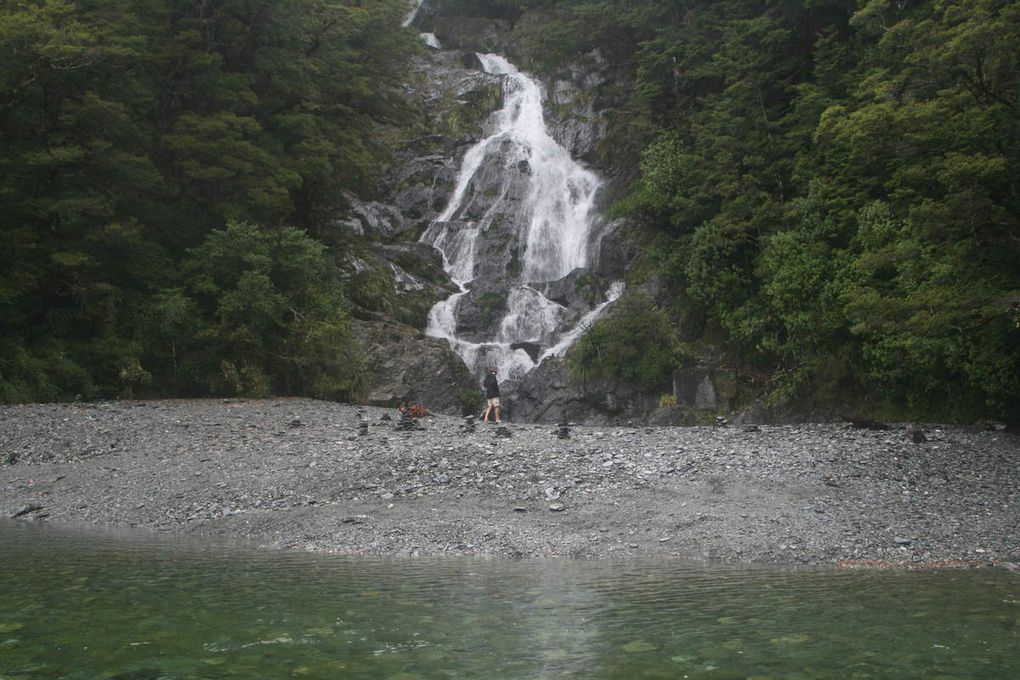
553, 224
413, 14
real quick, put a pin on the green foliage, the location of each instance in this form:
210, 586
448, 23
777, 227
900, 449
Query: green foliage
271, 315
932, 336
129, 133
413, 309
465, 114
591, 288
635, 343
833, 185
373, 290
830, 188
471, 401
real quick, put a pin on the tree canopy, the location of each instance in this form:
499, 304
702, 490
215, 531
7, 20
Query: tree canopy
831, 187
133, 132
829, 190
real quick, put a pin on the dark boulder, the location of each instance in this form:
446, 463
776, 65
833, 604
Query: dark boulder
579, 291
548, 394
405, 366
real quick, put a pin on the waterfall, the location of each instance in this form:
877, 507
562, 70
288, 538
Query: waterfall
413, 14
520, 215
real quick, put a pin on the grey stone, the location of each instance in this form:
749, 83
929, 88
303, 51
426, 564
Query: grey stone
708, 389
24, 510
377, 219
408, 367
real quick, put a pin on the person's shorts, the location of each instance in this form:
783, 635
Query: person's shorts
492, 402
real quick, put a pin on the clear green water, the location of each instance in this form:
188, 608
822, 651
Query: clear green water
87, 605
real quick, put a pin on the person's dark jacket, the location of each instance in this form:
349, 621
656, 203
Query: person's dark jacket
491, 386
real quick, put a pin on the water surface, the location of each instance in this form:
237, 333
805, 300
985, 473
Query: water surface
83, 604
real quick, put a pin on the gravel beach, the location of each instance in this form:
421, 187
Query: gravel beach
301, 474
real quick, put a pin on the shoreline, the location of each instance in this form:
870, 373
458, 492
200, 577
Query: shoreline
296, 474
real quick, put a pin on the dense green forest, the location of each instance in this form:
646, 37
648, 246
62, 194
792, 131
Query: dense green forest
168, 169
829, 190
832, 188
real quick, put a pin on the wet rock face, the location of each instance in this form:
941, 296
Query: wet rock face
574, 121
476, 34
705, 388
409, 368
483, 309
579, 291
456, 97
425, 183
396, 279
370, 218
416, 267
616, 250
548, 394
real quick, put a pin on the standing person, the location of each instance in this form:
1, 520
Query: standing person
491, 396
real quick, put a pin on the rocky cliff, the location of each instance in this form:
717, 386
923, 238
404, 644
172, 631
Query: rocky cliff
510, 308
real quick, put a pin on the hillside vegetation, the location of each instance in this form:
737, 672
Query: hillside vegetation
168, 174
827, 190
831, 187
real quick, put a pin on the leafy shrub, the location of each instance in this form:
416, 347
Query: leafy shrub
470, 401
271, 316
373, 289
635, 343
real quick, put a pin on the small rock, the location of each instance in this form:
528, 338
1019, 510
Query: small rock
25, 510
557, 507
916, 434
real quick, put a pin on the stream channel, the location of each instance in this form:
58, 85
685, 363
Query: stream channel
77, 604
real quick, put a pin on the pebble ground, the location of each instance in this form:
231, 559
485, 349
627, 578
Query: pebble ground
300, 474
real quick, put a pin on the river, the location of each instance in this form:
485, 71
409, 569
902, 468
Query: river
78, 604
